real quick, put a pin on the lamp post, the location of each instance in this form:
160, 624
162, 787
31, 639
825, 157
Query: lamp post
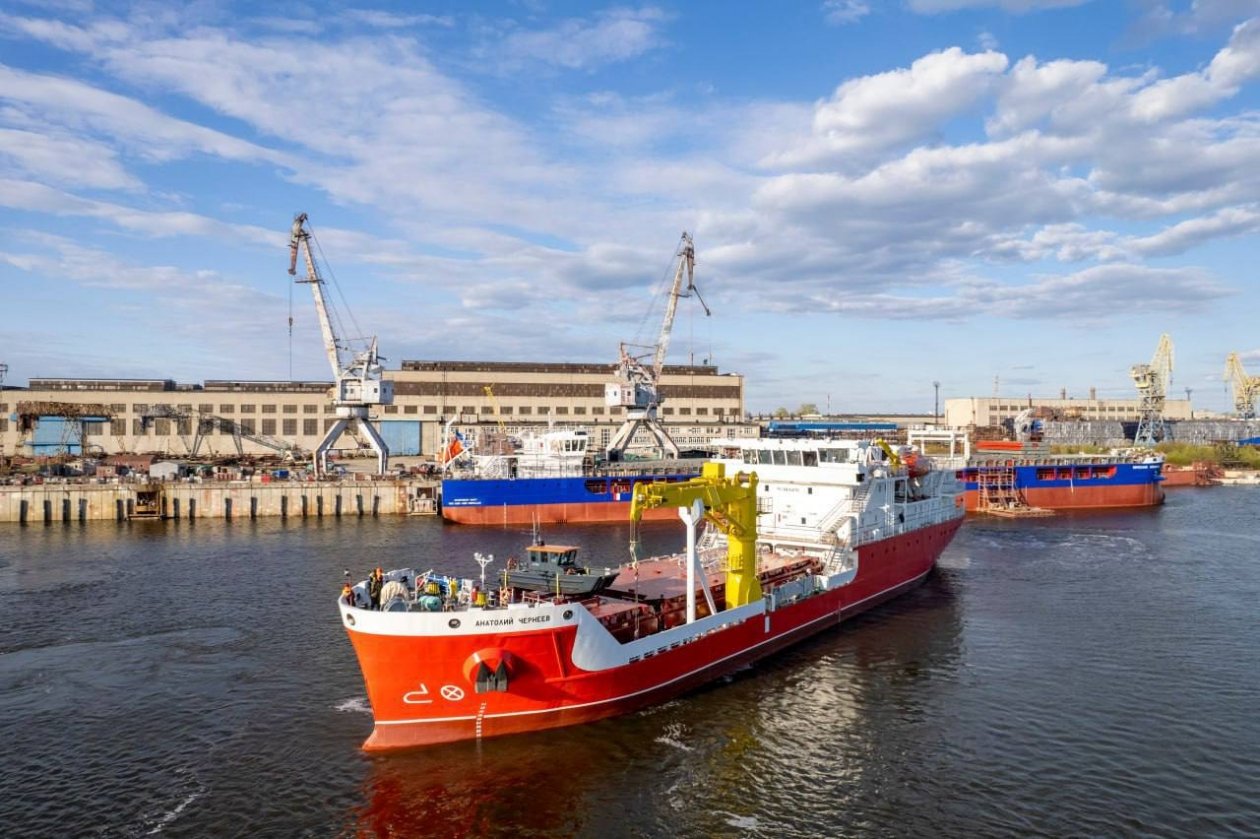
936, 404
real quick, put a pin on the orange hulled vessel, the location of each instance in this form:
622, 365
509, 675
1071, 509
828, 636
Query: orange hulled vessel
799, 534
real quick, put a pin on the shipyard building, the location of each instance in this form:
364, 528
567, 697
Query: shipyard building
224, 417
986, 411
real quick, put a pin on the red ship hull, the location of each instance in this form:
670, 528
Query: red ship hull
422, 690
566, 513
1085, 498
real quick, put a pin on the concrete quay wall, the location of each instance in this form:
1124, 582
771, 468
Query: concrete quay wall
70, 502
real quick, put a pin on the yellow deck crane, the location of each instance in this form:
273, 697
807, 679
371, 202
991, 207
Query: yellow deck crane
1246, 388
1152, 382
730, 504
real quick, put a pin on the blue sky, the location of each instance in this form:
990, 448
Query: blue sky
882, 194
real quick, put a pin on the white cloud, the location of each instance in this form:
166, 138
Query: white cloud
1092, 294
841, 12
1181, 237
889, 110
63, 158
390, 20
1160, 18
582, 44
1234, 65
55, 101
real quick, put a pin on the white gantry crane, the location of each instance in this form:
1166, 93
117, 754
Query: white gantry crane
1246, 388
637, 388
358, 383
1153, 381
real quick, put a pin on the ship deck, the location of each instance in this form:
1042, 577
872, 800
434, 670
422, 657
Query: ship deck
659, 580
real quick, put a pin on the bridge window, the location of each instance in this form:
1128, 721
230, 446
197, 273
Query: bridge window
834, 455
793, 458
810, 458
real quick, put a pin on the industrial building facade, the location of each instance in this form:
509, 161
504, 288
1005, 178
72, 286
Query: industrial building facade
988, 411
222, 417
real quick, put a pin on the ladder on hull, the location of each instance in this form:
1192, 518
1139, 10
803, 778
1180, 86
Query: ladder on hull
999, 495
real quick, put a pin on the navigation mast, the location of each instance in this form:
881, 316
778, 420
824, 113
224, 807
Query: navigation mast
358, 383
637, 388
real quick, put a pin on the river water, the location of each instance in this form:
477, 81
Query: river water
1087, 675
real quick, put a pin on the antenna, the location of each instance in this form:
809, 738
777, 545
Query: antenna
483, 560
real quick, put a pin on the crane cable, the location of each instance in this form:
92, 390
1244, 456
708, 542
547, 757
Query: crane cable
291, 283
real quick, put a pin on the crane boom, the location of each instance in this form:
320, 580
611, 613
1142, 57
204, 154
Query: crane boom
299, 238
686, 262
730, 504
1246, 388
498, 414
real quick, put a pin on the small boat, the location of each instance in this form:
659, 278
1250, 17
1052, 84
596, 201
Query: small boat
554, 569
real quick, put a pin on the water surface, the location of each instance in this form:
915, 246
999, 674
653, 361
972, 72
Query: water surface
1091, 675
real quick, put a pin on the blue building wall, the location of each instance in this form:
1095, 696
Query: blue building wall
401, 436
56, 435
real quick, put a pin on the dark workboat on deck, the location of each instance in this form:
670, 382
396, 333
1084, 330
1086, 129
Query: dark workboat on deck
555, 569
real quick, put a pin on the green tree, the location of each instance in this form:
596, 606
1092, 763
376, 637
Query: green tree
807, 408
780, 413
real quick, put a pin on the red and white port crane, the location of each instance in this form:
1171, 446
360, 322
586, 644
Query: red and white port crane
358, 385
637, 388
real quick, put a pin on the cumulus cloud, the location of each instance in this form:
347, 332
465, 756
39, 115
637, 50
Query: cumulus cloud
889, 110
1237, 63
